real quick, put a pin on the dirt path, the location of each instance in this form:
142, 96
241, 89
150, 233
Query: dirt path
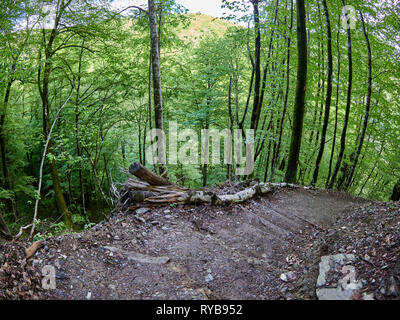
212, 253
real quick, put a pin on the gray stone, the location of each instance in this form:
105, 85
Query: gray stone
141, 210
393, 289
209, 278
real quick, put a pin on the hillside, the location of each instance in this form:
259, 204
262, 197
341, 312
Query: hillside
201, 24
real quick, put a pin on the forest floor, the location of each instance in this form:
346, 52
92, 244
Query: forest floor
266, 248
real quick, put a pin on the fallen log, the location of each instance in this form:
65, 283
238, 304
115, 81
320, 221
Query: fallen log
155, 190
145, 174
196, 196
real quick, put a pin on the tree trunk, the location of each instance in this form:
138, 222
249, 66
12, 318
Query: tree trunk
231, 122
328, 95
367, 106
44, 94
145, 174
257, 68
301, 86
336, 108
270, 47
3, 148
285, 103
346, 118
396, 192
156, 68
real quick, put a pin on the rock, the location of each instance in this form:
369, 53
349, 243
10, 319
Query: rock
154, 223
164, 228
288, 277
209, 278
167, 211
62, 275
393, 290
283, 290
141, 210
168, 216
140, 219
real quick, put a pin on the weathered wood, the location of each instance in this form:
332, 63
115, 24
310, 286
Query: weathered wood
155, 190
33, 248
145, 174
201, 196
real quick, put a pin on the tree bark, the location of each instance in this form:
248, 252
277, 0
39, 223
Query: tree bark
336, 108
145, 174
347, 113
301, 86
396, 192
367, 106
285, 103
257, 67
156, 68
44, 94
328, 94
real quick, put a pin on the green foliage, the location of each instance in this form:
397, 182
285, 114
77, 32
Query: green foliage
104, 58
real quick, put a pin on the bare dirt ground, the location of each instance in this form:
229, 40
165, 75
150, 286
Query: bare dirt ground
266, 248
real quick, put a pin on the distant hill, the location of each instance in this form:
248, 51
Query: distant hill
201, 24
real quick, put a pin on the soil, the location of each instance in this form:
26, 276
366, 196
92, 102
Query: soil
237, 252
265, 248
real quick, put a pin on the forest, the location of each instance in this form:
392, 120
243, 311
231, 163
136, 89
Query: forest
83, 83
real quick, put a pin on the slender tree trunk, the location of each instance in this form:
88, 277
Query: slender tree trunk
44, 94
301, 86
150, 116
328, 94
367, 105
257, 67
348, 105
285, 103
156, 68
396, 192
270, 49
336, 108
231, 122
77, 128
3, 147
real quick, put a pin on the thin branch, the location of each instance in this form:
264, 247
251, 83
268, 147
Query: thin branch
42, 163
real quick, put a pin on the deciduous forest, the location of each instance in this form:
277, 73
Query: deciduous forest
82, 84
